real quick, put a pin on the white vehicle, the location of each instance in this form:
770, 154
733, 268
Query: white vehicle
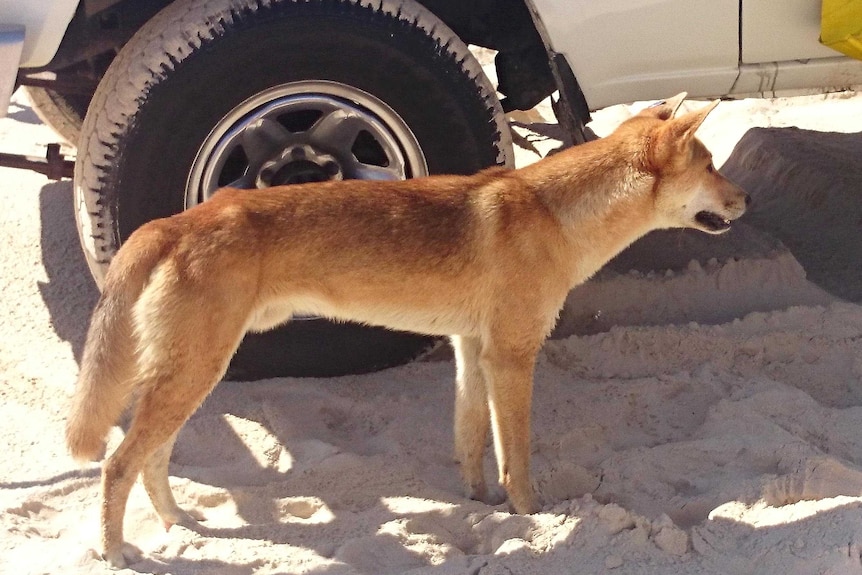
168, 100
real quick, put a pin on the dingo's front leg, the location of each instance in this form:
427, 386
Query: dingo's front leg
509, 378
472, 419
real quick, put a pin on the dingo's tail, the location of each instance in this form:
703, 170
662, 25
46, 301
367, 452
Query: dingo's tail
109, 364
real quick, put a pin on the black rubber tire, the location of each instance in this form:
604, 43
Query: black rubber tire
197, 59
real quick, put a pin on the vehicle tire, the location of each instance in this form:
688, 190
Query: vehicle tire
193, 102
63, 114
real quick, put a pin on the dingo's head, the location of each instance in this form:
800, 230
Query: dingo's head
689, 191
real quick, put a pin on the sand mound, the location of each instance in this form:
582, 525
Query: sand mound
807, 191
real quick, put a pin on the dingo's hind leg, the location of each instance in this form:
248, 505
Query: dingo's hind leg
185, 356
155, 479
161, 411
472, 419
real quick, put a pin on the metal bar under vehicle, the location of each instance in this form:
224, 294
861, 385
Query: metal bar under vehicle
53, 165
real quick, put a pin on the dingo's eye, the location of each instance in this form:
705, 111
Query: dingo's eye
710, 168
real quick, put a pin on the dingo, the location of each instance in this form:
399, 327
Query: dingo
487, 259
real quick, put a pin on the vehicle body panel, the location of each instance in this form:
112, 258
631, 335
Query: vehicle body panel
626, 50
798, 77
44, 23
775, 32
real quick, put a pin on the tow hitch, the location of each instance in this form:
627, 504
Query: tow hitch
53, 165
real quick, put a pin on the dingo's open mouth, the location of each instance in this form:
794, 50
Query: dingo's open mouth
712, 222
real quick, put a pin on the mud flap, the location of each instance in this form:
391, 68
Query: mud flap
11, 44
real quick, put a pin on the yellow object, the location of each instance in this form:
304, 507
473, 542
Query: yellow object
841, 26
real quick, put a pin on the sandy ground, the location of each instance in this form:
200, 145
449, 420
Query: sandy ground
698, 412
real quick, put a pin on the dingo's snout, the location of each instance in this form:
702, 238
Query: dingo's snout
732, 203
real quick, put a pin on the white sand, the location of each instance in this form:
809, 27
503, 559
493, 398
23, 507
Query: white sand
715, 429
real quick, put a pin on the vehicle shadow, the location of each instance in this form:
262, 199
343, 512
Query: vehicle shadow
24, 114
69, 292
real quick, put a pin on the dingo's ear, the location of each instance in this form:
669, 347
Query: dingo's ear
665, 109
686, 125
673, 138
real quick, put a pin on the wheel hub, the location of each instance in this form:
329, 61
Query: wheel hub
307, 131
299, 164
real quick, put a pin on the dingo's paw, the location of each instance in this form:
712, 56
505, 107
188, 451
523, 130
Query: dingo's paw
524, 502
122, 556
478, 491
495, 496
183, 518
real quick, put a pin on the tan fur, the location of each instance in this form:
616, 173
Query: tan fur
487, 259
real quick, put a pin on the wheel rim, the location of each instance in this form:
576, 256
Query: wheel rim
304, 132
